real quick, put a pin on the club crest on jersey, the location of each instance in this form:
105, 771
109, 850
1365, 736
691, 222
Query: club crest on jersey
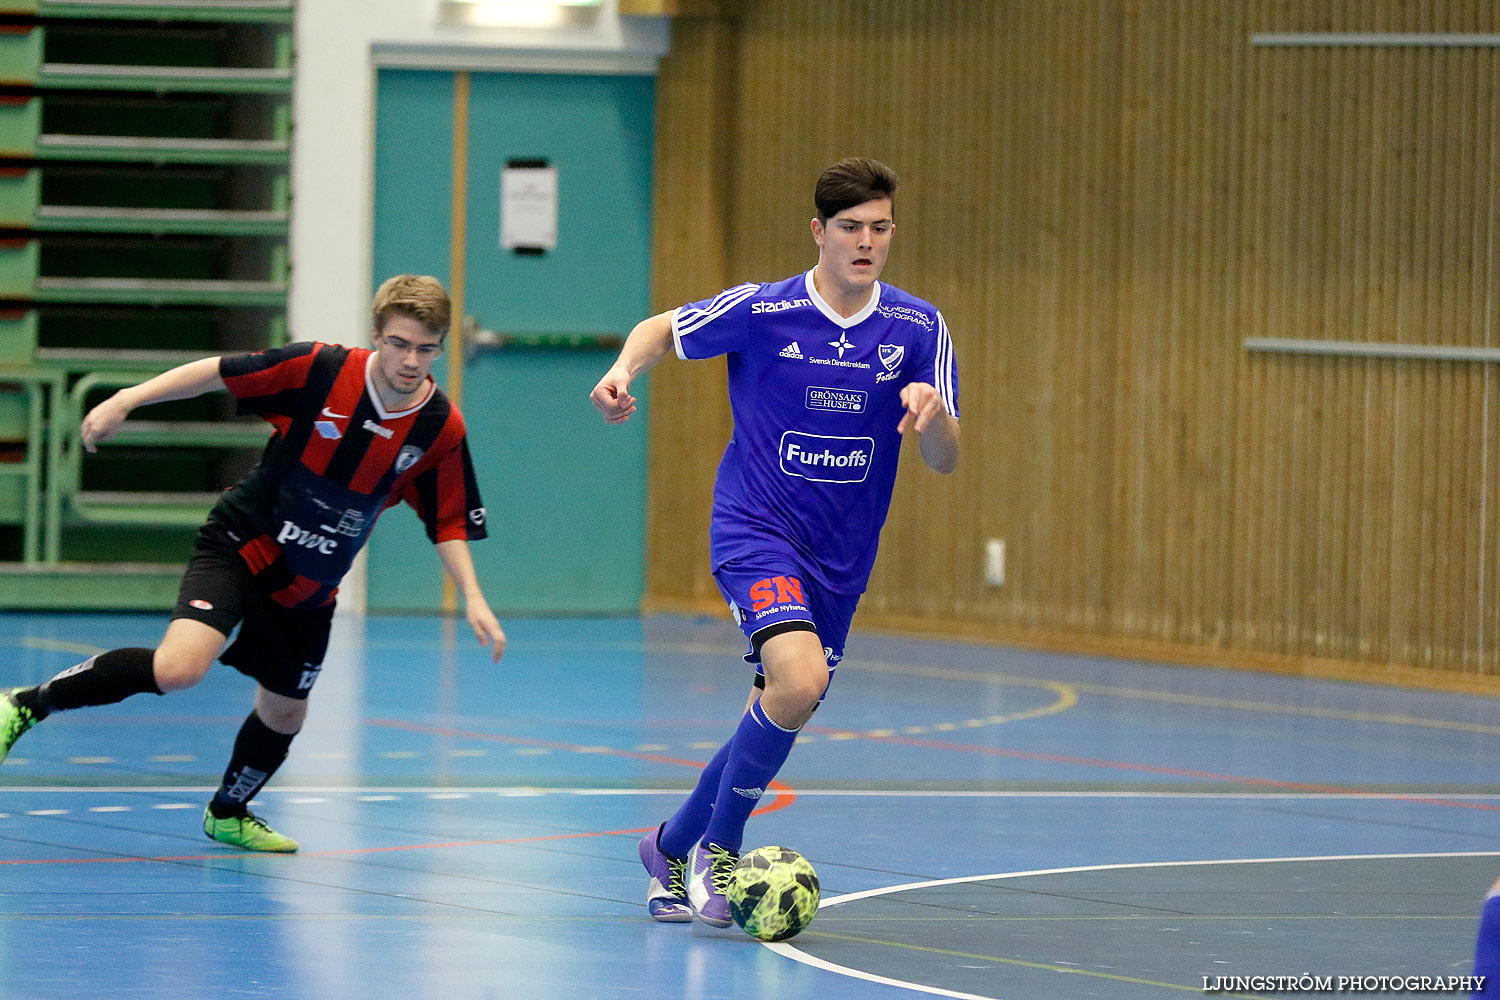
891, 355
407, 457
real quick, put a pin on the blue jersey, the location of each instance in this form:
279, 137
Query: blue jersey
816, 400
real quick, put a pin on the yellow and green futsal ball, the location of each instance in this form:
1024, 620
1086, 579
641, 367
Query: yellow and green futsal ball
773, 893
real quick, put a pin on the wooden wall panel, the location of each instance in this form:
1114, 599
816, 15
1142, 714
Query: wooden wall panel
1105, 199
1174, 396
1364, 493
689, 416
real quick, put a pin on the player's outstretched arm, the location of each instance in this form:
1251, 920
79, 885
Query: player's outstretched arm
936, 427
647, 344
183, 382
456, 559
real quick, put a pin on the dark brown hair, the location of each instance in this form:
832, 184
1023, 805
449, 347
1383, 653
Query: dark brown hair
852, 181
419, 296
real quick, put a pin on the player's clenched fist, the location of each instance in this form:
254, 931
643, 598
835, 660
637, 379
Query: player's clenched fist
611, 398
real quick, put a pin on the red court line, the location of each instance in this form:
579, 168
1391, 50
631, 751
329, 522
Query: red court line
783, 797
1178, 772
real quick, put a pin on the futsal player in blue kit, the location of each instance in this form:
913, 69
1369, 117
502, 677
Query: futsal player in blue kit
828, 371
1487, 945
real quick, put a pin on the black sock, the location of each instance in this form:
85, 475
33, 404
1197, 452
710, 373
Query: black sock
258, 752
99, 680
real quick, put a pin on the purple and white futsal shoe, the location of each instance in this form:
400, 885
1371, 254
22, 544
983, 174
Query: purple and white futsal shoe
707, 882
666, 896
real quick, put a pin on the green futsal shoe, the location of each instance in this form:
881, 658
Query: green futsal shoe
15, 719
248, 831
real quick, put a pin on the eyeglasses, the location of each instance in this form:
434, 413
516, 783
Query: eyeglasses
401, 346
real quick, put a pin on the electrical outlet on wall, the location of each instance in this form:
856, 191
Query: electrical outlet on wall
994, 562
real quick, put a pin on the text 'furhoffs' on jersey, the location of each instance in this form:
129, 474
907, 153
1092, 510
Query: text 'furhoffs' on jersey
816, 399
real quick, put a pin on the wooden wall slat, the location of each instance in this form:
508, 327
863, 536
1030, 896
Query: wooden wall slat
1105, 199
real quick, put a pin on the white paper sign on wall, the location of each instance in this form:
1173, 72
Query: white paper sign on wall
528, 208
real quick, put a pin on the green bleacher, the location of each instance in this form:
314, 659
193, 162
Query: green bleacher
144, 213
226, 11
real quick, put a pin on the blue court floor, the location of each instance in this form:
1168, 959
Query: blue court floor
986, 822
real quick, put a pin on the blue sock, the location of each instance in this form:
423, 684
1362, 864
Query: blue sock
681, 832
1487, 947
756, 753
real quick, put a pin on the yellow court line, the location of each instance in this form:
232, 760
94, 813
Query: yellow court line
997, 679
1066, 699
58, 646
1068, 693
1022, 963
1273, 708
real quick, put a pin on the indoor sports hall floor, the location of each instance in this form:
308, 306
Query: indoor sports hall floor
986, 822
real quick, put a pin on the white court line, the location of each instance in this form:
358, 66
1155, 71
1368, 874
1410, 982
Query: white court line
797, 955
810, 792
786, 950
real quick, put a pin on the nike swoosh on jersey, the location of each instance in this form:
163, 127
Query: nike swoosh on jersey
336, 416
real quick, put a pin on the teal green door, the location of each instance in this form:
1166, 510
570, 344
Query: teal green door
565, 493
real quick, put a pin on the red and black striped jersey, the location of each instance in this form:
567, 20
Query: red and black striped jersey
335, 461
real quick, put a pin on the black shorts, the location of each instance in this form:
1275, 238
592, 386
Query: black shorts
280, 648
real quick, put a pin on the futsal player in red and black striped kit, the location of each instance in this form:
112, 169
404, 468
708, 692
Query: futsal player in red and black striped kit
356, 431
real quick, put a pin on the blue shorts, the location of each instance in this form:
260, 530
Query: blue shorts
770, 594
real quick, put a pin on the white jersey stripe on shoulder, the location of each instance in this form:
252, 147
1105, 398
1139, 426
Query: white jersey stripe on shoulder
944, 356
722, 302
690, 320
937, 368
732, 291
948, 365
718, 299
943, 367
951, 374
696, 323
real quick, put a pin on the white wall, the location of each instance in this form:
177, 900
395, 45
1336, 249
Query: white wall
340, 43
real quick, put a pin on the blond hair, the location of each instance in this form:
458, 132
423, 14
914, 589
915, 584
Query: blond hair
420, 296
